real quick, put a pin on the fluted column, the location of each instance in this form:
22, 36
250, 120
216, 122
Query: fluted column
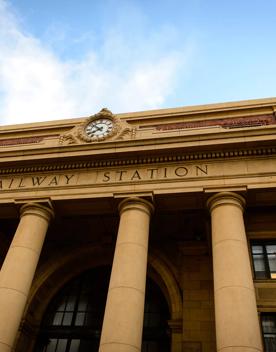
18, 269
124, 312
237, 325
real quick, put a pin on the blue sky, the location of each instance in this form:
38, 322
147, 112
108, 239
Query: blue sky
62, 59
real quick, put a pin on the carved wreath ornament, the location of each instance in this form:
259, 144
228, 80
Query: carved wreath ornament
99, 127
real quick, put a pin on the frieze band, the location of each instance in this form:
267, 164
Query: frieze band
103, 177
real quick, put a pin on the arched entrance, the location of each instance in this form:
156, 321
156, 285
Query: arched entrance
73, 319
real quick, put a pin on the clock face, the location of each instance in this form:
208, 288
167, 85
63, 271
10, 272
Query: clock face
99, 128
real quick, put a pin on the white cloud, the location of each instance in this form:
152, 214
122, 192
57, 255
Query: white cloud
122, 74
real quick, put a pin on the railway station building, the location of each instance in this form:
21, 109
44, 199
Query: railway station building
151, 231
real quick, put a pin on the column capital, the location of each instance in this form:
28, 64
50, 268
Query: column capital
224, 198
38, 210
136, 203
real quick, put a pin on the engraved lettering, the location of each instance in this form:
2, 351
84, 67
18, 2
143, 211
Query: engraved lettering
153, 172
54, 181
68, 178
121, 172
11, 182
106, 176
203, 171
181, 171
21, 183
37, 181
136, 176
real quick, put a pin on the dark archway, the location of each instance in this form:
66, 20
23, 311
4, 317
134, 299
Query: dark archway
73, 319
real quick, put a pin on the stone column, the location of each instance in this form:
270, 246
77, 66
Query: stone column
124, 311
237, 325
18, 269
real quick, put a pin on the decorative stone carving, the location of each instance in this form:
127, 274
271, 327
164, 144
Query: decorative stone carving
120, 130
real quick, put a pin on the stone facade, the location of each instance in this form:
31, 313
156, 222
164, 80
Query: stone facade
178, 195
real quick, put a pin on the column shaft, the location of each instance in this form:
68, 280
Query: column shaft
124, 312
237, 325
18, 270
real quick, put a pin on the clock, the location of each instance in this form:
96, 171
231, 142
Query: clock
99, 128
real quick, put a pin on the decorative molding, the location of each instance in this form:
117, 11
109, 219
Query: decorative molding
121, 130
176, 325
238, 122
28, 328
255, 152
23, 140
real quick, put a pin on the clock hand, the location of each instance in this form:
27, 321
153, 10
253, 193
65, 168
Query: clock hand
98, 128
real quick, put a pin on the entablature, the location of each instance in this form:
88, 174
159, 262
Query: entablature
192, 129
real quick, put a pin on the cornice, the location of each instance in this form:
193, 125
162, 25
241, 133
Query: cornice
242, 108
214, 136
143, 160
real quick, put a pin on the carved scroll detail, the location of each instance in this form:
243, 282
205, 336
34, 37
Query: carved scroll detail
121, 130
